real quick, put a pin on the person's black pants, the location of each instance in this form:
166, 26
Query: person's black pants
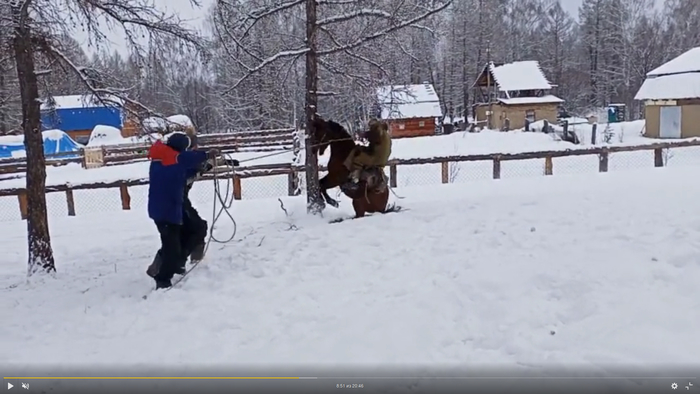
191, 240
194, 232
170, 250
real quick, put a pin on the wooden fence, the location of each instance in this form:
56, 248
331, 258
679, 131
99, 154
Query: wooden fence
291, 171
248, 141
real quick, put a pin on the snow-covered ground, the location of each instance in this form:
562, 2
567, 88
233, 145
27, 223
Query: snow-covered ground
95, 201
569, 271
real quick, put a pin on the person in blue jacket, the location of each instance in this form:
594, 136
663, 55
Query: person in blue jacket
171, 165
194, 228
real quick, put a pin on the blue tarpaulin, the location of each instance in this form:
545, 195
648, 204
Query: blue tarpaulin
55, 141
77, 119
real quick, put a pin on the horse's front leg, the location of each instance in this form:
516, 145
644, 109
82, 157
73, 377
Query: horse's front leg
324, 185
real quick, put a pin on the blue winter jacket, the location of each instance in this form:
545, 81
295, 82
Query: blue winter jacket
167, 181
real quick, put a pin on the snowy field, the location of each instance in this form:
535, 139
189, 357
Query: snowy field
90, 202
567, 271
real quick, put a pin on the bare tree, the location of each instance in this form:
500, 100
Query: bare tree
35, 28
334, 30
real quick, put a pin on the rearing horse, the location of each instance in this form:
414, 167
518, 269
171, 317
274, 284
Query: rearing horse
371, 194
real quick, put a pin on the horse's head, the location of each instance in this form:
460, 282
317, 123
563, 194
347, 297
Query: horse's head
328, 132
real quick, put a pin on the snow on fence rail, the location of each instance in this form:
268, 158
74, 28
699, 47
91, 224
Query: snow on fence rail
245, 141
292, 175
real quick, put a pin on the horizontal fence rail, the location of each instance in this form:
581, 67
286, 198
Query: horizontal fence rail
245, 141
293, 174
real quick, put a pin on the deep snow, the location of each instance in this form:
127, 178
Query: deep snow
567, 271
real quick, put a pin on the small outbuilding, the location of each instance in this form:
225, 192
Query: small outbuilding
671, 95
410, 110
509, 96
77, 115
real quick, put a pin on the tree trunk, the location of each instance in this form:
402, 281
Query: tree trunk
314, 201
38, 238
3, 96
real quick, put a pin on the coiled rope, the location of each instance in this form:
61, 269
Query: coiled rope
225, 202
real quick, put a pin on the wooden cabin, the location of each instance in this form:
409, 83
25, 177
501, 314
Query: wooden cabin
410, 110
671, 95
511, 95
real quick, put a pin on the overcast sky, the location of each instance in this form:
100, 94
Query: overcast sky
195, 17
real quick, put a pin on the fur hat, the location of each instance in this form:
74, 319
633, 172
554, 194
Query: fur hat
179, 141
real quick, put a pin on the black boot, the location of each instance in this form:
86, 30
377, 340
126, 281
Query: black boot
198, 252
154, 268
163, 284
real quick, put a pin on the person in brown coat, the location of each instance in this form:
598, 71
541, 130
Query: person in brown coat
375, 155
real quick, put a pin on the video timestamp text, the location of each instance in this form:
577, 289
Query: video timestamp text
350, 386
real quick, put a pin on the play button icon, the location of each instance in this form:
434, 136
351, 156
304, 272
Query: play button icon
9, 385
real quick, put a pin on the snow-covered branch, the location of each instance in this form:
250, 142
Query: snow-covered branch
363, 40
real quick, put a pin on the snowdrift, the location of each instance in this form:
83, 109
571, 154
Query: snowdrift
169, 124
55, 141
107, 135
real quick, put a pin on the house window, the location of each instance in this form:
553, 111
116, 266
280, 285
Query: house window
402, 126
530, 115
421, 123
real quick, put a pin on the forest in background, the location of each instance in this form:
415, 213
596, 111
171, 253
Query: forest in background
597, 57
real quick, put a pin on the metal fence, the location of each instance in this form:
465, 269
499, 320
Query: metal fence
405, 173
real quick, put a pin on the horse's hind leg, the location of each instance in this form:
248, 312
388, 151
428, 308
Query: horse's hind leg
360, 207
323, 186
379, 202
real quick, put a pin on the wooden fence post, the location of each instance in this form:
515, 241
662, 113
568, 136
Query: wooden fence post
603, 161
658, 157
237, 192
392, 175
594, 130
548, 165
292, 184
22, 198
496, 168
70, 202
445, 166
83, 160
125, 197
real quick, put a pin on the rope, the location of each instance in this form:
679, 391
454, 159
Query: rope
285, 151
226, 202
314, 145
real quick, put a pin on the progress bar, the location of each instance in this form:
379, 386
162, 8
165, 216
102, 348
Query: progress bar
348, 377
158, 377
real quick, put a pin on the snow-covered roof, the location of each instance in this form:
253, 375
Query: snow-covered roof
670, 87
547, 99
524, 75
79, 101
181, 120
678, 78
687, 62
174, 122
409, 101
